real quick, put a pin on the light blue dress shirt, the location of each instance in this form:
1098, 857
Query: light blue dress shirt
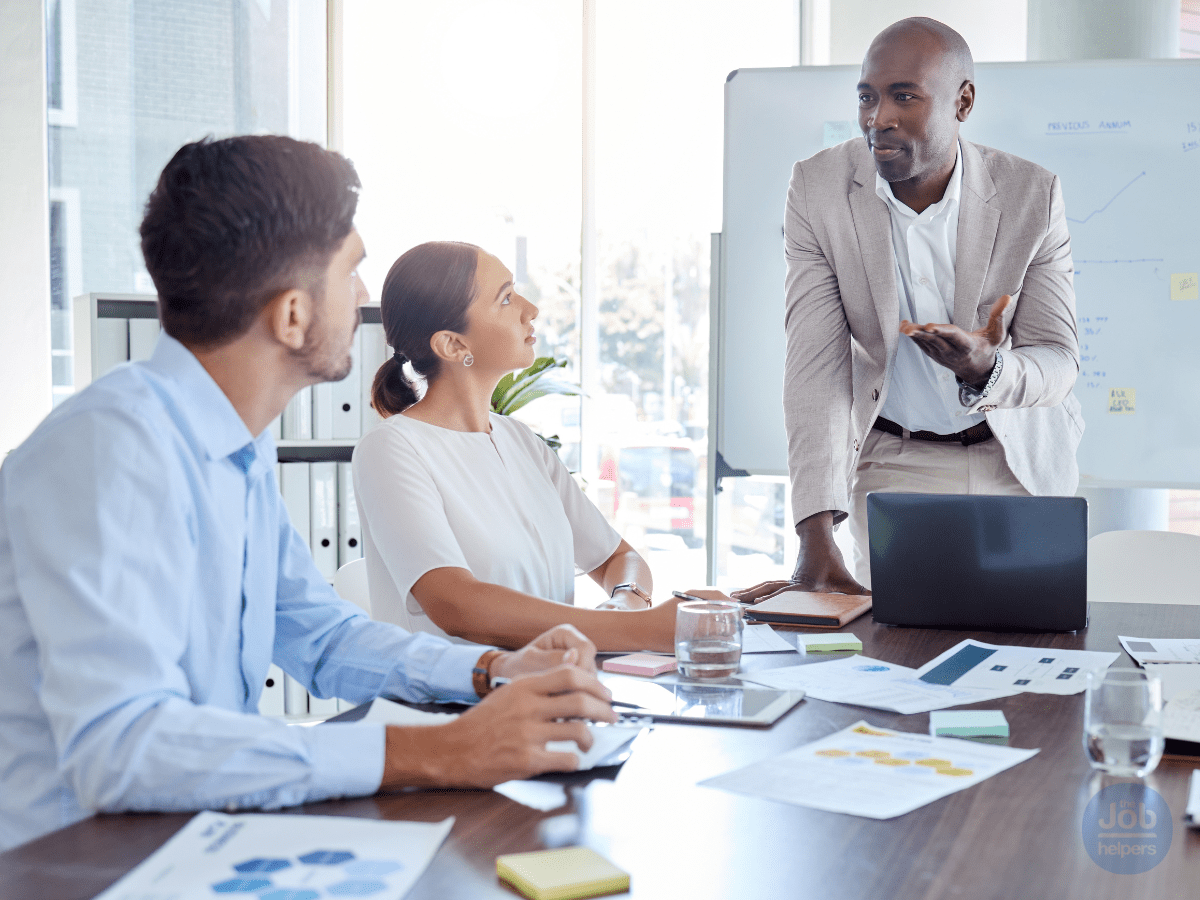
148, 577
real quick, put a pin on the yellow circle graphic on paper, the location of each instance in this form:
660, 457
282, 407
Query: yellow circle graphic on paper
952, 771
891, 761
934, 763
872, 754
832, 753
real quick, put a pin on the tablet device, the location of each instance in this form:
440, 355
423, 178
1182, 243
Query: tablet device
718, 703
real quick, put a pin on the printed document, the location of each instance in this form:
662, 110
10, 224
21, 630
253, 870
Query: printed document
764, 639
1161, 650
872, 772
264, 855
862, 681
607, 738
1035, 670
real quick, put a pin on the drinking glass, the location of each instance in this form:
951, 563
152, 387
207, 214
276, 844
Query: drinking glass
708, 638
1122, 722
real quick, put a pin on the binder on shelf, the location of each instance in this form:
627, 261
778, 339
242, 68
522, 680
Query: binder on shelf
143, 335
270, 702
110, 344
319, 707
346, 395
324, 517
322, 416
349, 531
373, 350
295, 697
297, 417
293, 484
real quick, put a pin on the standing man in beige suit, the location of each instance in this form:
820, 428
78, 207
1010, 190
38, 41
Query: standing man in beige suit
914, 225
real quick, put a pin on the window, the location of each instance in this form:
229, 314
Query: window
464, 122
142, 80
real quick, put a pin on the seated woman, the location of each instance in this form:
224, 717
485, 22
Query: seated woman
472, 527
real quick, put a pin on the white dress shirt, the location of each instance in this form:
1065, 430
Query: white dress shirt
922, 395
148, 577
501, 505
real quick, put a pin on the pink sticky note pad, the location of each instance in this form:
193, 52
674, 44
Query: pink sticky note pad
640, 664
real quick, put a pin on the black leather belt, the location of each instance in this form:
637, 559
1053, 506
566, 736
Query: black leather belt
976, 434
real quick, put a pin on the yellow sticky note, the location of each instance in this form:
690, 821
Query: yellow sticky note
568, 873
1122, 401
1185, 286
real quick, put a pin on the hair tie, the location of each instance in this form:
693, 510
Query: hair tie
400, 357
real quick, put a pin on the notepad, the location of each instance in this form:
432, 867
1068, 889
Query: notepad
978, 723
829, 643
564, 874
647, 664
797, 607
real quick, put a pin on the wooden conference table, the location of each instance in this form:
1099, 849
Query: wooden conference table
1016, 835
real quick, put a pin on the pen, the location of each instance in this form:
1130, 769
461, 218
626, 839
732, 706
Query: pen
682, 596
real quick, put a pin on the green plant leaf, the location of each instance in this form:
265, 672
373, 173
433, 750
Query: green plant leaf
514, 391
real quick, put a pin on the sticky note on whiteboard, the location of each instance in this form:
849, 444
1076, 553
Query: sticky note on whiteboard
1185, 286
1122, 401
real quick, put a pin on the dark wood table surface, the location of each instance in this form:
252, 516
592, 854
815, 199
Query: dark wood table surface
1016, 835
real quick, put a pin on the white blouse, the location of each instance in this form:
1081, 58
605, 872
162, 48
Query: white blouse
501, 505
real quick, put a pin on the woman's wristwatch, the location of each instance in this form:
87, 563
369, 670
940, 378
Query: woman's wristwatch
634, 588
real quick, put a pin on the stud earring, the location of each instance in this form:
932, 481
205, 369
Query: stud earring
468, 360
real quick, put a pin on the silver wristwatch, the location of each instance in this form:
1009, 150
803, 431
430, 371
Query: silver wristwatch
633, 587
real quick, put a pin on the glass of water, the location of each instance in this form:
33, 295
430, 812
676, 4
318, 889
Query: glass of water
708, 638
1122, 722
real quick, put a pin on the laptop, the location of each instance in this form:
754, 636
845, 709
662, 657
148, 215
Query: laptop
978, 562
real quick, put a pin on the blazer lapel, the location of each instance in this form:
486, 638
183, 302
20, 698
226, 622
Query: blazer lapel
977, 226
873, 227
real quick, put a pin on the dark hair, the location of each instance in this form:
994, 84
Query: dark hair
427, 290
233, 223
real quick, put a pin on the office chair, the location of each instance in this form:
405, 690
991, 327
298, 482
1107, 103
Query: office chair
1144, 567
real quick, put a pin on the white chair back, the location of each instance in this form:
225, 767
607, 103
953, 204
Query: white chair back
1144, 567
350, 582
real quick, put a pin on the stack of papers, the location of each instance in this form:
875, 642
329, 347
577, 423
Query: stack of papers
284, 856
1034, 670
862, 681
872, 772
1174, 662
606, 738
1161, 650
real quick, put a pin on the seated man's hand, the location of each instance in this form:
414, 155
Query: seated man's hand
561, 645
504, 737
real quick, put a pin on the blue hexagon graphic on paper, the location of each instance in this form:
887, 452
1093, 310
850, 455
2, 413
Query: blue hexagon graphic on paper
241, 885
365, 867
261, 865
356, 888
1127, 828
326, 857
290, 894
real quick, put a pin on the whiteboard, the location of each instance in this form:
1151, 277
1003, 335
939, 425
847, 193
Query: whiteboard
1123, 136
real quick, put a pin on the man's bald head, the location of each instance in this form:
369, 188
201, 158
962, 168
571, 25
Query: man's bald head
916, 86
957, 64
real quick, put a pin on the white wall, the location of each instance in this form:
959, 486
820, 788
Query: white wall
24, 226
994, 29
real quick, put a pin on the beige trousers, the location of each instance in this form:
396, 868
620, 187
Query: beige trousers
902, 465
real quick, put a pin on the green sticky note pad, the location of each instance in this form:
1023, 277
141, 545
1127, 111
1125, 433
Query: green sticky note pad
828, 643
982, 723
565, 874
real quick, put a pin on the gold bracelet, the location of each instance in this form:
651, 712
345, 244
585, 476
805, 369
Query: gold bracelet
481, 679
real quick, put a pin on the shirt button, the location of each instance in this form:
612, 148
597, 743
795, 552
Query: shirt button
925, 282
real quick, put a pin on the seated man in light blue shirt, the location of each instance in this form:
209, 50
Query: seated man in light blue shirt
148, 571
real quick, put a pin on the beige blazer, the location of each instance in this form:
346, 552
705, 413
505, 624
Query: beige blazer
842, 316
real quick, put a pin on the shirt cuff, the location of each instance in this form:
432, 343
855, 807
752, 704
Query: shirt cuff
449, 679
347, 758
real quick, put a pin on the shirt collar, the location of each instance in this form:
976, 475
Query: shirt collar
949, 199
213, 420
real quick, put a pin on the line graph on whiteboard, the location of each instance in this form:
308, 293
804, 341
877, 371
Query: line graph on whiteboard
1096, 212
